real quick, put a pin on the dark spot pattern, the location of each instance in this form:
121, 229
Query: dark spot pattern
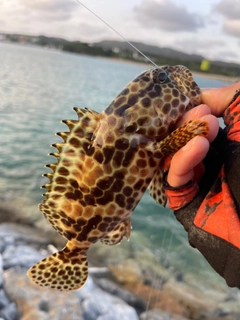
105, 164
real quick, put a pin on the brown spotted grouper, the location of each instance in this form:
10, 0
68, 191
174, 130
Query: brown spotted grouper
105, 164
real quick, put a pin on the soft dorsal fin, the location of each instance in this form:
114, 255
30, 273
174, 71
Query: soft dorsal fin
156, 189
117, 234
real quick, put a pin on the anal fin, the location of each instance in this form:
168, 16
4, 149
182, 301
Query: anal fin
65, 270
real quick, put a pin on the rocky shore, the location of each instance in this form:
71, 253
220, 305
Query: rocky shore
137, 288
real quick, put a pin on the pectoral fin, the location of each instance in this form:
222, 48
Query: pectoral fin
178, 138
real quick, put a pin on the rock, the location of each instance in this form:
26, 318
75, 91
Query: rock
8, 309
153, 272
99, 272
160, 315
16, 234
20, 256
102, 255
175, 298
88, 303
4, 301
9, 312
145, 284
100, 305
34, 302
127, 271
155, 298
107, 285
194, 303
1, 271
13, 213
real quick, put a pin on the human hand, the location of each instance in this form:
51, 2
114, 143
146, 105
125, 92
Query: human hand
218, 99
187, 158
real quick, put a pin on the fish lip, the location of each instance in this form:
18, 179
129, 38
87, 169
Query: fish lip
192, 104
172, 127
162, 137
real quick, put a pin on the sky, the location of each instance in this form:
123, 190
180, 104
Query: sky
207, 27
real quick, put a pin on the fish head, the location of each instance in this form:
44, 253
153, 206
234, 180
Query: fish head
152, 102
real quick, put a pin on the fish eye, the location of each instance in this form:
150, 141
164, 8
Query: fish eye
162, 77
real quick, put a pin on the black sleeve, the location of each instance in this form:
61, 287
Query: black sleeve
223, 256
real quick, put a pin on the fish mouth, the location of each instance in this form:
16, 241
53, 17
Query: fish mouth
163, 136
192, 104
172, 126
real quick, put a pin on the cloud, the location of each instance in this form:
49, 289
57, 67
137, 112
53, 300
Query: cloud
92, 33
232, 27
213, 49
195, 43
223, 55
230, 10
168, 16
53, 5
54, 9
199, 46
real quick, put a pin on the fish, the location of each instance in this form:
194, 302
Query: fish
106, 162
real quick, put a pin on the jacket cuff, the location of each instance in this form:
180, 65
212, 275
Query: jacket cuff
179, 197
231, 118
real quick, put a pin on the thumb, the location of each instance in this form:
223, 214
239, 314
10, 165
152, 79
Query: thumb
218, 99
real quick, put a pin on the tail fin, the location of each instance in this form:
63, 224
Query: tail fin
65, 270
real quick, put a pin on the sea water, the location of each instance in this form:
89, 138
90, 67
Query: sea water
38, 88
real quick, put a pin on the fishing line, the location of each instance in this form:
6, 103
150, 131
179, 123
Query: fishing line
162, 262
135, 48
119, 34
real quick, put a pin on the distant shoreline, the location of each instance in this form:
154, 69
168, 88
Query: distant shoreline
200, 74
219, 77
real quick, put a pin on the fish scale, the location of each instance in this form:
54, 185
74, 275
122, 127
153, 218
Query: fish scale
105, 164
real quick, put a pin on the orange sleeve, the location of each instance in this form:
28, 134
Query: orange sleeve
217, 213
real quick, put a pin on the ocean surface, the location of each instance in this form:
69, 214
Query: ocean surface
38, 88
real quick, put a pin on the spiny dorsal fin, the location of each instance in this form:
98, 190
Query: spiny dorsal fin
85, 125
65, 270
80, 135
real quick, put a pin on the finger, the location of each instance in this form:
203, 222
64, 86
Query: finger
218, 99
194, 113
213, 125
183, 162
